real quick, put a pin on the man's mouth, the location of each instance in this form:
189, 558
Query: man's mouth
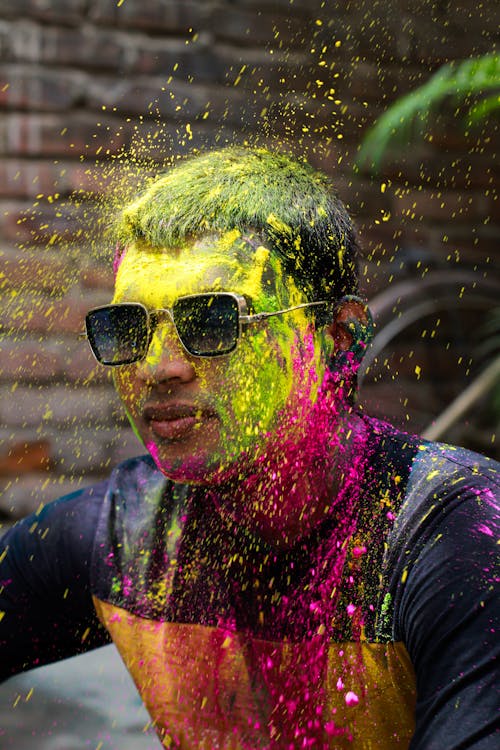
176, 421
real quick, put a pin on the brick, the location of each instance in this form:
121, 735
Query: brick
281, 69
67, 11
5, 41
25, 179
29, 178
37, 134
440, 205
22, 43
398, 32
94, 180
84, 46
29, 361
431, 167
256, 27
30, 87
155, 15
364, 33
46, 224
197, 61
26, 314
82, 451
448, 132
9, 437
157, 143
22, 457
383, 53
57, 404
366, 80
466, 9
361, 198
178, 100
290, 6
34, 271
430, 41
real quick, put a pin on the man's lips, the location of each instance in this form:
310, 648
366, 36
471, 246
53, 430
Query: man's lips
175, 421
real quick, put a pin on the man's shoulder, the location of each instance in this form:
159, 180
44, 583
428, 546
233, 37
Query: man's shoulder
444, 478
431, 469
440, 460
444, 525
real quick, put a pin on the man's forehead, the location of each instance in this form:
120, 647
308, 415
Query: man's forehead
233, 261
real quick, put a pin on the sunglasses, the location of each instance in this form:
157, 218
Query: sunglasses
208, 325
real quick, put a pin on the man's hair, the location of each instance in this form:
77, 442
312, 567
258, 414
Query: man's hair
291, 206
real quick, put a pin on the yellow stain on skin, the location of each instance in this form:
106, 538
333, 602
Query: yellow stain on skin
158, 277
254, 279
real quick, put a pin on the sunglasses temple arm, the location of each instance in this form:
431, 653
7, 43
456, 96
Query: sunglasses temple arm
265, 315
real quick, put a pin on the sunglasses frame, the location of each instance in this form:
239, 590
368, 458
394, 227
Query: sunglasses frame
153, 319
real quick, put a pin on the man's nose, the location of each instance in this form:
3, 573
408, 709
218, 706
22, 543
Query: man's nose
166, 358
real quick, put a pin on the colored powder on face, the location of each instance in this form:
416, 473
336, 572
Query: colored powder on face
254, 278
286, 451
250, 387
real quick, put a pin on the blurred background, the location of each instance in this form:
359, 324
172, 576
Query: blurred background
97, 95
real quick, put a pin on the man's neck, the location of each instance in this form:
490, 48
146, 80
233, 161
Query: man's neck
295, 486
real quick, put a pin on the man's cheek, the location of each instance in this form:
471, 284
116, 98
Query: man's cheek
127, 388
258, 387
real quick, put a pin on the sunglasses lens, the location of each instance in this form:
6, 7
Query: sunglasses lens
118, 334
207, 324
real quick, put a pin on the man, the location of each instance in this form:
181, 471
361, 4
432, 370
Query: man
280, 571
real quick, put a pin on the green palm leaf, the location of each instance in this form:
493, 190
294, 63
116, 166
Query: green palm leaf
410, 113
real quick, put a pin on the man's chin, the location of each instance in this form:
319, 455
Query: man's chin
200, 469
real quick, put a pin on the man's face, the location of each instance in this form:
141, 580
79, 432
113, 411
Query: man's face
204, 419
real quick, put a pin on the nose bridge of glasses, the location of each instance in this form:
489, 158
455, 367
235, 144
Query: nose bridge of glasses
163, 330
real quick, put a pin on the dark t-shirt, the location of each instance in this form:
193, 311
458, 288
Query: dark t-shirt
235, 645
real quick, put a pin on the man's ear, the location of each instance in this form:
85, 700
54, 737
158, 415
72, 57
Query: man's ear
352, 326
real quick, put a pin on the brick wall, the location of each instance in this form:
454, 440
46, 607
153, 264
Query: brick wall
85, 81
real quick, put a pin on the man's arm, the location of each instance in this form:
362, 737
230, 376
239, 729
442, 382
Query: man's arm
448, 618
46, 610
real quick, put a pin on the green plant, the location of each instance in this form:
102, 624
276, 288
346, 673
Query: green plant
467, 81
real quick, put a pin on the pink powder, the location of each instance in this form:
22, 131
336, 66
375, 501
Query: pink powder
351, 699
119, 255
